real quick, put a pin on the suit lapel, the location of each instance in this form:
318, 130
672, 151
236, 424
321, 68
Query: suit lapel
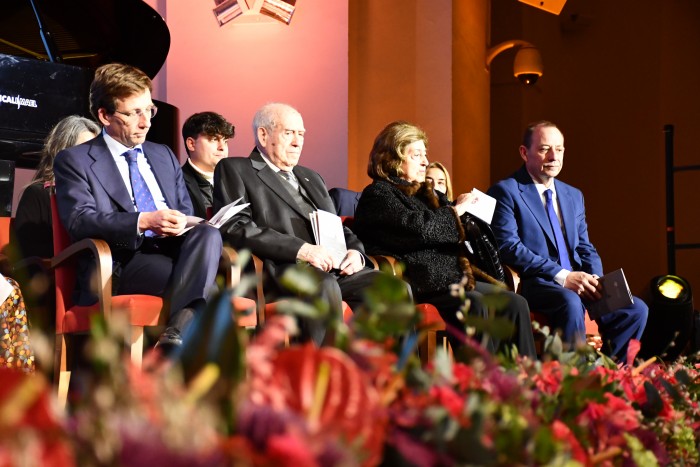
312, 190
108, 175
566, 205
273, 181
160, 166
533, 201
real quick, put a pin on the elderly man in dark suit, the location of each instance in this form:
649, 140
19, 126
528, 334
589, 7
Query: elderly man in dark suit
540, 225
130, 193
206, 136
276, 225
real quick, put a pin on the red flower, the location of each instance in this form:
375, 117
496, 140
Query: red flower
562, 433
289, 451
449, 399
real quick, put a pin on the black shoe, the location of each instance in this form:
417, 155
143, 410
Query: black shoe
170, 340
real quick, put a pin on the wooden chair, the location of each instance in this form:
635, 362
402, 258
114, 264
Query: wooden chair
142, 310
431, 316
232, 277
592, 334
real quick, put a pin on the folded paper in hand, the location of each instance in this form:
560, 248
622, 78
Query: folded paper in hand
616, 294
329, 233
482, 206
218, 219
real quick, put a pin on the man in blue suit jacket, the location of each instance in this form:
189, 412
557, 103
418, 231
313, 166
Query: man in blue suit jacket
95, 186
528, 243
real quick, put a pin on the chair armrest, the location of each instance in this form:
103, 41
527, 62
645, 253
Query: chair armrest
259, 293
512, 278
229, 264
103, 256
232, 274
388, 263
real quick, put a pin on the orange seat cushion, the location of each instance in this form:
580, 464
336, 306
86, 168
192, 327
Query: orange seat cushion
247, 316
431, 316
144, 310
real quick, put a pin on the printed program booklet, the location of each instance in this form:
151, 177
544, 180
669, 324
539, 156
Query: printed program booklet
328, 232
482, 206
616, 294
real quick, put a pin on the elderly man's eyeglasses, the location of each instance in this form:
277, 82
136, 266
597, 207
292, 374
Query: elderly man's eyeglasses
149, 112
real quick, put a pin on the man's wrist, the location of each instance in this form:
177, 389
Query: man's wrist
362, 257
302, 253
560, 277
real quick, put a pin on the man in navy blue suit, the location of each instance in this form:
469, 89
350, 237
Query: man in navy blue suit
131, 193
540, 225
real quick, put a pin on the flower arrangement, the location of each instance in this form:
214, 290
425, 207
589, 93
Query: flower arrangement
231, 400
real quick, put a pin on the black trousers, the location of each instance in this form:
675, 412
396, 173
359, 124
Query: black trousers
334, 289
516, 310
181, 269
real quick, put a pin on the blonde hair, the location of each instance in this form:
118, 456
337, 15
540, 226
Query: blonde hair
448, 182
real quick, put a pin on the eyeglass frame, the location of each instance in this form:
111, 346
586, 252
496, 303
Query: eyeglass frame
138, 113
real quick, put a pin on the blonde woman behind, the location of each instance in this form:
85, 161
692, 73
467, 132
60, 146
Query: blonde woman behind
438, 175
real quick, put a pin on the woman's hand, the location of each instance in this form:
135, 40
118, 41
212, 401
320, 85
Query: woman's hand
464, 200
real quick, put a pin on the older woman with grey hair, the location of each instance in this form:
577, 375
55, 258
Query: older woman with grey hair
32, 233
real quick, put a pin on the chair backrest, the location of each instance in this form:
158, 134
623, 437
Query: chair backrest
4, 232
344, 200
65, 274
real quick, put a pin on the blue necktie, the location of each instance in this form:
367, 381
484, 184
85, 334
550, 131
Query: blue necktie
142, 195
564, 260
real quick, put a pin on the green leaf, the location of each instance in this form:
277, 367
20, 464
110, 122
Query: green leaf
300, 279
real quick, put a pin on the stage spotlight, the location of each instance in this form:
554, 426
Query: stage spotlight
671, 314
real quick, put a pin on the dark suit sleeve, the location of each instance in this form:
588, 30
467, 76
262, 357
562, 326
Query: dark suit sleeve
78, 207
325, 202
31, 228
513, 251
253, 227
184, 204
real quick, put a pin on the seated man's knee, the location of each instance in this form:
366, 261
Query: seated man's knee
205, 236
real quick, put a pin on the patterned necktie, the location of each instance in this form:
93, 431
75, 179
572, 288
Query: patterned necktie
142, 195
564, 261
290, 178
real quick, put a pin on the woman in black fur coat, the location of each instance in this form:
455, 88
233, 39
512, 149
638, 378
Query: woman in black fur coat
402, 216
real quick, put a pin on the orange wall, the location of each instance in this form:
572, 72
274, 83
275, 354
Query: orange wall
400, 69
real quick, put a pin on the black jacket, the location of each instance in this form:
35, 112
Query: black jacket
407, 221
197, 189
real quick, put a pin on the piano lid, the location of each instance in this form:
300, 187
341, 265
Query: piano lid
87, 33
84, 34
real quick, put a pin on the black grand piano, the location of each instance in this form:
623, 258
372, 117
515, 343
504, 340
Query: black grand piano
49, 50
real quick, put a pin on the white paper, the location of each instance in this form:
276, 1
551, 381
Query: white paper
5, 289
482, 206
218, 219
328, 232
